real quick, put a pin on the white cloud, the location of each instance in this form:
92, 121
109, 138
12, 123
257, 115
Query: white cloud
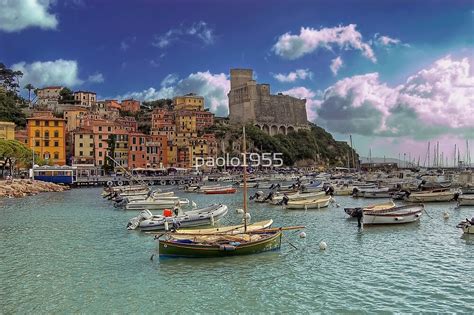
96, 78
200, 30
434, 101
309, 40
312, 103
214, 88
58, 72
301, 74
336, 64
127, 42
386, 41
17, 15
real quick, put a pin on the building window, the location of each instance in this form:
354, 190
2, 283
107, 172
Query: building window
37, 134
81, 153
91, 145
109, 129
91, 137
90, 153
46, 143
37, 123
56, 123
37, 143
100, 145
56, 143
133, 157
100, 137
56, 155
46, 134
80, 136
100, 153
56, 134
80, 145
100, 128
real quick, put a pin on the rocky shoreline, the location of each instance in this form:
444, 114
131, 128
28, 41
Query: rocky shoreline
18, 188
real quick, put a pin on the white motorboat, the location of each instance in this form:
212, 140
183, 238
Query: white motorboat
279, 197
438, 195
307, 204
396, 215
146, 221
153, 204
466, 200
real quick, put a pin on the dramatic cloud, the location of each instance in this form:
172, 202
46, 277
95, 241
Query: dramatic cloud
200, 30
301, 74
58, 72
336, 64
214, 88
17, 15
96, 78
309, 40
435, 101
312, 104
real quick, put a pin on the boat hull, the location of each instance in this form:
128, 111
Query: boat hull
466, 201
398, 215
430, 198
176, 249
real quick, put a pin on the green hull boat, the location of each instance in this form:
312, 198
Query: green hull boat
186, 248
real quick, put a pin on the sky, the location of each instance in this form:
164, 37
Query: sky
393, 74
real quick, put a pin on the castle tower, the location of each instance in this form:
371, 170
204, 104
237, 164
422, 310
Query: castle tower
242, 96
239, 77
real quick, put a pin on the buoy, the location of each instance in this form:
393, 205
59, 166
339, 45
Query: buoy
302, 235
166, 226
239, 211
248, 216
323, 245
337, 205
446, 215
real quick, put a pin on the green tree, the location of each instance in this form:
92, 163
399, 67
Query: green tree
67, 95
109, 164
13, 152
10, 102
9, 78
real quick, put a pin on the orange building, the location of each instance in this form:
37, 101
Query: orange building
137, 150
47, 136
130, 105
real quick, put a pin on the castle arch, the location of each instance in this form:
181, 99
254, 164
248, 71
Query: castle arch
290, 129
282, 130
273, 130
266, 129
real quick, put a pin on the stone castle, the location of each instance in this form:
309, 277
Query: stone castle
252, 102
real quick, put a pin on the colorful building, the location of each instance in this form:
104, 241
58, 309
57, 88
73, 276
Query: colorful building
47, 136
7, 130
130, 105
74, 116
137, 153
189, 101
85, 98
48, 97
84, 147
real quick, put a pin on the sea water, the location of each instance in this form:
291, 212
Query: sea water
70, 252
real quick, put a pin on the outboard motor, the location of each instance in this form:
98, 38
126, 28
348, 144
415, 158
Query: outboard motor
285, 200
355, 191
329, 191
456, 196
359, 213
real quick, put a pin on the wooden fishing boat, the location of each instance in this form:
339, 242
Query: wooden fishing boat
437, 195
220, 191
156, 204
376, 207
396, 215
343, 190
466, 200
220, 245
309, 204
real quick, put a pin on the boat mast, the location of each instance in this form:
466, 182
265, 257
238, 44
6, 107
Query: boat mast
352, 153
245, 179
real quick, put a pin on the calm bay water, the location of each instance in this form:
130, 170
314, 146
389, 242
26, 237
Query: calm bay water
70, 252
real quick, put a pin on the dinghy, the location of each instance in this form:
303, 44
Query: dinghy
146, 221
376, 207
466, 200
438, 195
307, 204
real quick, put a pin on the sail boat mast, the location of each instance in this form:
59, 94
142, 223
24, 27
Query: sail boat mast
245, 179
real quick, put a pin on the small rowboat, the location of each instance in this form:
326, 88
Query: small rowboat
309, 204
219, 191
438, 195
229, 229
397, 215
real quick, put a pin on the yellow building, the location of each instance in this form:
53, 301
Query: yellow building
189, 101
74, 116
185, 121
47, 137
84, 147
7, 130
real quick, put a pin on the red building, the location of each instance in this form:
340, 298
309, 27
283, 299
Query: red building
204, 119
130, 105
137, 150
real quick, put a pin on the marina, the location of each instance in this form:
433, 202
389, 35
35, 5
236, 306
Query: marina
66, 247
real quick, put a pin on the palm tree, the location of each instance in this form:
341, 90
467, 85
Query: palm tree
29, 87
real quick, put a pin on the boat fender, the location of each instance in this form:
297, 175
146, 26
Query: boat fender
323, 245
302, 235
398, 218
446, 215
181, 182
162, 182
151, 183
172, 182
166, 226
110, 183
212, 220
120, 183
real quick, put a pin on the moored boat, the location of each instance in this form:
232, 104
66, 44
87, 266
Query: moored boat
155, 204
466, 200
376, 207
437, 195
396, 215
220, 191
467, 226
309, 203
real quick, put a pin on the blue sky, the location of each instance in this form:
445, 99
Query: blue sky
149, 49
